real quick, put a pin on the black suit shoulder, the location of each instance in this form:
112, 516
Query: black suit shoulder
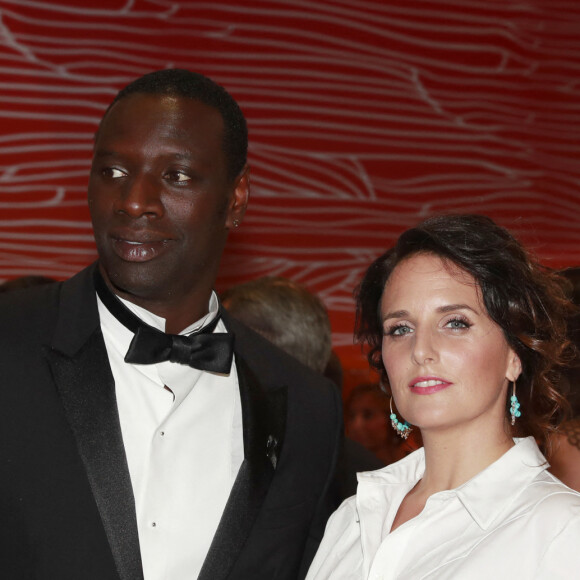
34, 307
50, 525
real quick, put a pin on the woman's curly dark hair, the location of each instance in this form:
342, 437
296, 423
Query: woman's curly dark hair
525, 299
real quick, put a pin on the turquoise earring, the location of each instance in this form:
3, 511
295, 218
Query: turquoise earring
515, 406
402, 429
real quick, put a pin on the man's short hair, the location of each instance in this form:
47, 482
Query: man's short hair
285, 313
178, 82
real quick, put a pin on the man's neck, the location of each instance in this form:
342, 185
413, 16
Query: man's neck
178, 312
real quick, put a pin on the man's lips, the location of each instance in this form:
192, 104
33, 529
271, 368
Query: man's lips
139, 247
428, 385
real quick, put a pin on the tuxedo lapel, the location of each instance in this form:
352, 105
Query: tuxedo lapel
264, 423
82, 373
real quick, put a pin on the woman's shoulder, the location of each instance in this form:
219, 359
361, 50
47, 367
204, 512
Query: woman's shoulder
546, 496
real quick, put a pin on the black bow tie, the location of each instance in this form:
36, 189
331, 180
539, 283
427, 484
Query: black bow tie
203, 350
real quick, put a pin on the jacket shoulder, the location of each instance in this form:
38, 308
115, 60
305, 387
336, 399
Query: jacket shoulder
22, 310
32, 315
273, 366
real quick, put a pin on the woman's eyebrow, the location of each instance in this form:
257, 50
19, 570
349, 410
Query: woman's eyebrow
441, 310
396, 314
451, 307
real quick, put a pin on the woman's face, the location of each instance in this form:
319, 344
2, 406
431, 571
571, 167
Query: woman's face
448, 363
366, 422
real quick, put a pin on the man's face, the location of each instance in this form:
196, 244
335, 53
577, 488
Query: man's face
159, 196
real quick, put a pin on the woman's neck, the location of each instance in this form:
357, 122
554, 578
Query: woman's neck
451, 460
452, 457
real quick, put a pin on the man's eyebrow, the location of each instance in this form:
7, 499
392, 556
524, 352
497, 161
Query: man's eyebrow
441, 310
177, 155
174, 155
104, 153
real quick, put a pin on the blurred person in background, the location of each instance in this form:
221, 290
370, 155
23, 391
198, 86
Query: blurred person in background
366, 412
565, 453
285, 313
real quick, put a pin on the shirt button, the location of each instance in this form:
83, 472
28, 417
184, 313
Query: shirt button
153, 524
162, 433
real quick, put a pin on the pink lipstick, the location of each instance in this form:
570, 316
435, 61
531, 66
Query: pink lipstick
428, 385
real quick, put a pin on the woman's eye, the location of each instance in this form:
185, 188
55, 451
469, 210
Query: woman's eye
457, 323
400, 330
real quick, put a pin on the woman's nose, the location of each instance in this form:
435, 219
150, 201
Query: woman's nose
424, 347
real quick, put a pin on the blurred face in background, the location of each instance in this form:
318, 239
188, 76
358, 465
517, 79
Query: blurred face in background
367, 421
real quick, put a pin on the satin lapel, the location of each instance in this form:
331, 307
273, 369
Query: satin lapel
81, 370
264, 423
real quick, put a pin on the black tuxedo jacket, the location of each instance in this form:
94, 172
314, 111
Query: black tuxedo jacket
66, 502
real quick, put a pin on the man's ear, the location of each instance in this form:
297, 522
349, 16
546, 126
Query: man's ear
514, 369
239, 199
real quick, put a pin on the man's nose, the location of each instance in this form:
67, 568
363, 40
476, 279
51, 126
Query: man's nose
141, 195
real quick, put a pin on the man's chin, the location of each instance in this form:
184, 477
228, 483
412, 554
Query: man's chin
134, 281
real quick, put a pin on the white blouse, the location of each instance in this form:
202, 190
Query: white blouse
514, 520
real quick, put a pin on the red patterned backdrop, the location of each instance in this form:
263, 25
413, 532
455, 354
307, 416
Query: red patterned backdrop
364, 116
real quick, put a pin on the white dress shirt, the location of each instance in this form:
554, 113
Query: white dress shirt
183, 437
514, 520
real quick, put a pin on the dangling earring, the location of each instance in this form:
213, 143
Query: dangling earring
402, 429
515, 406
